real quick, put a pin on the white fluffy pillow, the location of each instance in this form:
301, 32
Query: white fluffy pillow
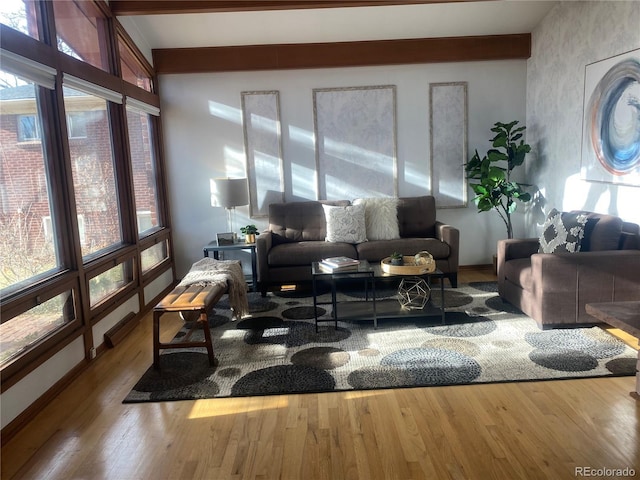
381, 217
345, 224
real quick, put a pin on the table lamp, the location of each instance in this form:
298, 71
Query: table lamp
229, 193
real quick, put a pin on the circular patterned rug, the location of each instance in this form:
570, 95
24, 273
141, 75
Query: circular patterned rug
276, 349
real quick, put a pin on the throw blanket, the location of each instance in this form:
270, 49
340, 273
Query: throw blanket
226, 273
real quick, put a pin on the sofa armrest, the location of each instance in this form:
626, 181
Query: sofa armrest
451, 236
511, 249
264, 242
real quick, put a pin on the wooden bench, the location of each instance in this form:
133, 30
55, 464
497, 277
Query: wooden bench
196, 299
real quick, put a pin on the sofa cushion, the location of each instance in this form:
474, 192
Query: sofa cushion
375, 251
345, 224
417, 216
298, 221
303, 253
602, 232
381, 217
562, 232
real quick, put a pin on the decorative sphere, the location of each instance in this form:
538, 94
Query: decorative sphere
426, 259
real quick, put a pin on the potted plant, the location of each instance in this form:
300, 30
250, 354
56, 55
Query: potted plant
249, 232
490, 176
396, 258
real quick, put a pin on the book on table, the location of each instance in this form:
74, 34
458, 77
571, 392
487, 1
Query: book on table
339, 262
330, 269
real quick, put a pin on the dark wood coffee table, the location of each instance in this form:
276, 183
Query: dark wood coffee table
372, 275
622, 315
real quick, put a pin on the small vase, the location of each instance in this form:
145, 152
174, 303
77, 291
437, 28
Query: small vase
250, 238
396, 261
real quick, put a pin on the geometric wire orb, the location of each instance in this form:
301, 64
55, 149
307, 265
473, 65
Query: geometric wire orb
413, 293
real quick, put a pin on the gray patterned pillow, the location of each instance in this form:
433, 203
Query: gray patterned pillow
562, 232
345, 224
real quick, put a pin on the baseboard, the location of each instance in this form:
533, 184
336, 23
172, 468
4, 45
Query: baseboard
483, 267
13, 427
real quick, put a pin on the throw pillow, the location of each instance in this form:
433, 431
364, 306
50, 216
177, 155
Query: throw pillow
381, 217
562, 232
345, 224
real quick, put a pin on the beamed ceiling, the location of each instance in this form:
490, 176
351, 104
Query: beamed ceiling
190, 36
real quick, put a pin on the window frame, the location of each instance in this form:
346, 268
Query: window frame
74, 271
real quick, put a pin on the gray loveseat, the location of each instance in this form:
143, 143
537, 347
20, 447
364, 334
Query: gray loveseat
553, 288
297, 230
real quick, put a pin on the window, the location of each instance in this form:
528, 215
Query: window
76, 124
24, 183
20, 15
66, 197
28, 128
23, 331
133, 71
143, 166
109, 283
81, 30
92, 164
47, 229
152, 256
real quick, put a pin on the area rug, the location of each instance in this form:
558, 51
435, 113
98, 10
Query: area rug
276, 349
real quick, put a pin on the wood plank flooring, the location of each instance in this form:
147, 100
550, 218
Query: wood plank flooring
532, 430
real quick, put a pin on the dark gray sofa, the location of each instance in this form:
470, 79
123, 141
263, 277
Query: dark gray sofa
296, 238
553, 288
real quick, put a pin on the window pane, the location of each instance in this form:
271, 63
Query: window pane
25, 330
20, 15
27, 250
132, 71
152, 256
143, 166
110, 282
81, 31
92, 164
28, 128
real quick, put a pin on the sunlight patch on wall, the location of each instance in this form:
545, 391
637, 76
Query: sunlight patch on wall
225, 112
304, 137
303, 180
416, 176
581, 195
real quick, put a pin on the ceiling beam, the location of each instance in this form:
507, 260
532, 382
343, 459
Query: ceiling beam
164, 7
341, 54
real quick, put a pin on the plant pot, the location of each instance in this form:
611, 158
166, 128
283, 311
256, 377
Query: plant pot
250, 238
397, 261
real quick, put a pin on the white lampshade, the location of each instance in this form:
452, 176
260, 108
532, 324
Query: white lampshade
229, 192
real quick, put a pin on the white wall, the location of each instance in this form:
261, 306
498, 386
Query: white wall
571, 36
204, 139
21, 395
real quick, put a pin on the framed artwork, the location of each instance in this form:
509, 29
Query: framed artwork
225, 238
611, 120
355, 132
263, 147
448, 143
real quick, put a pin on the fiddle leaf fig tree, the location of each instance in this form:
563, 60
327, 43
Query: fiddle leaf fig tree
490, 176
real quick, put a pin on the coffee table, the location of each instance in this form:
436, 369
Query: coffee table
622, 315
376, 308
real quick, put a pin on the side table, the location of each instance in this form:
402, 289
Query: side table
213, 247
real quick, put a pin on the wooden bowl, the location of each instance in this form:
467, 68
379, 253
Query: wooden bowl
408, 268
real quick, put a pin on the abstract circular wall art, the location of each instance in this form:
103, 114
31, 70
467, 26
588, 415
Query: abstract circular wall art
611, 124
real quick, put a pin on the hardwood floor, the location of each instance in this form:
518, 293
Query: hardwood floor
525, 430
